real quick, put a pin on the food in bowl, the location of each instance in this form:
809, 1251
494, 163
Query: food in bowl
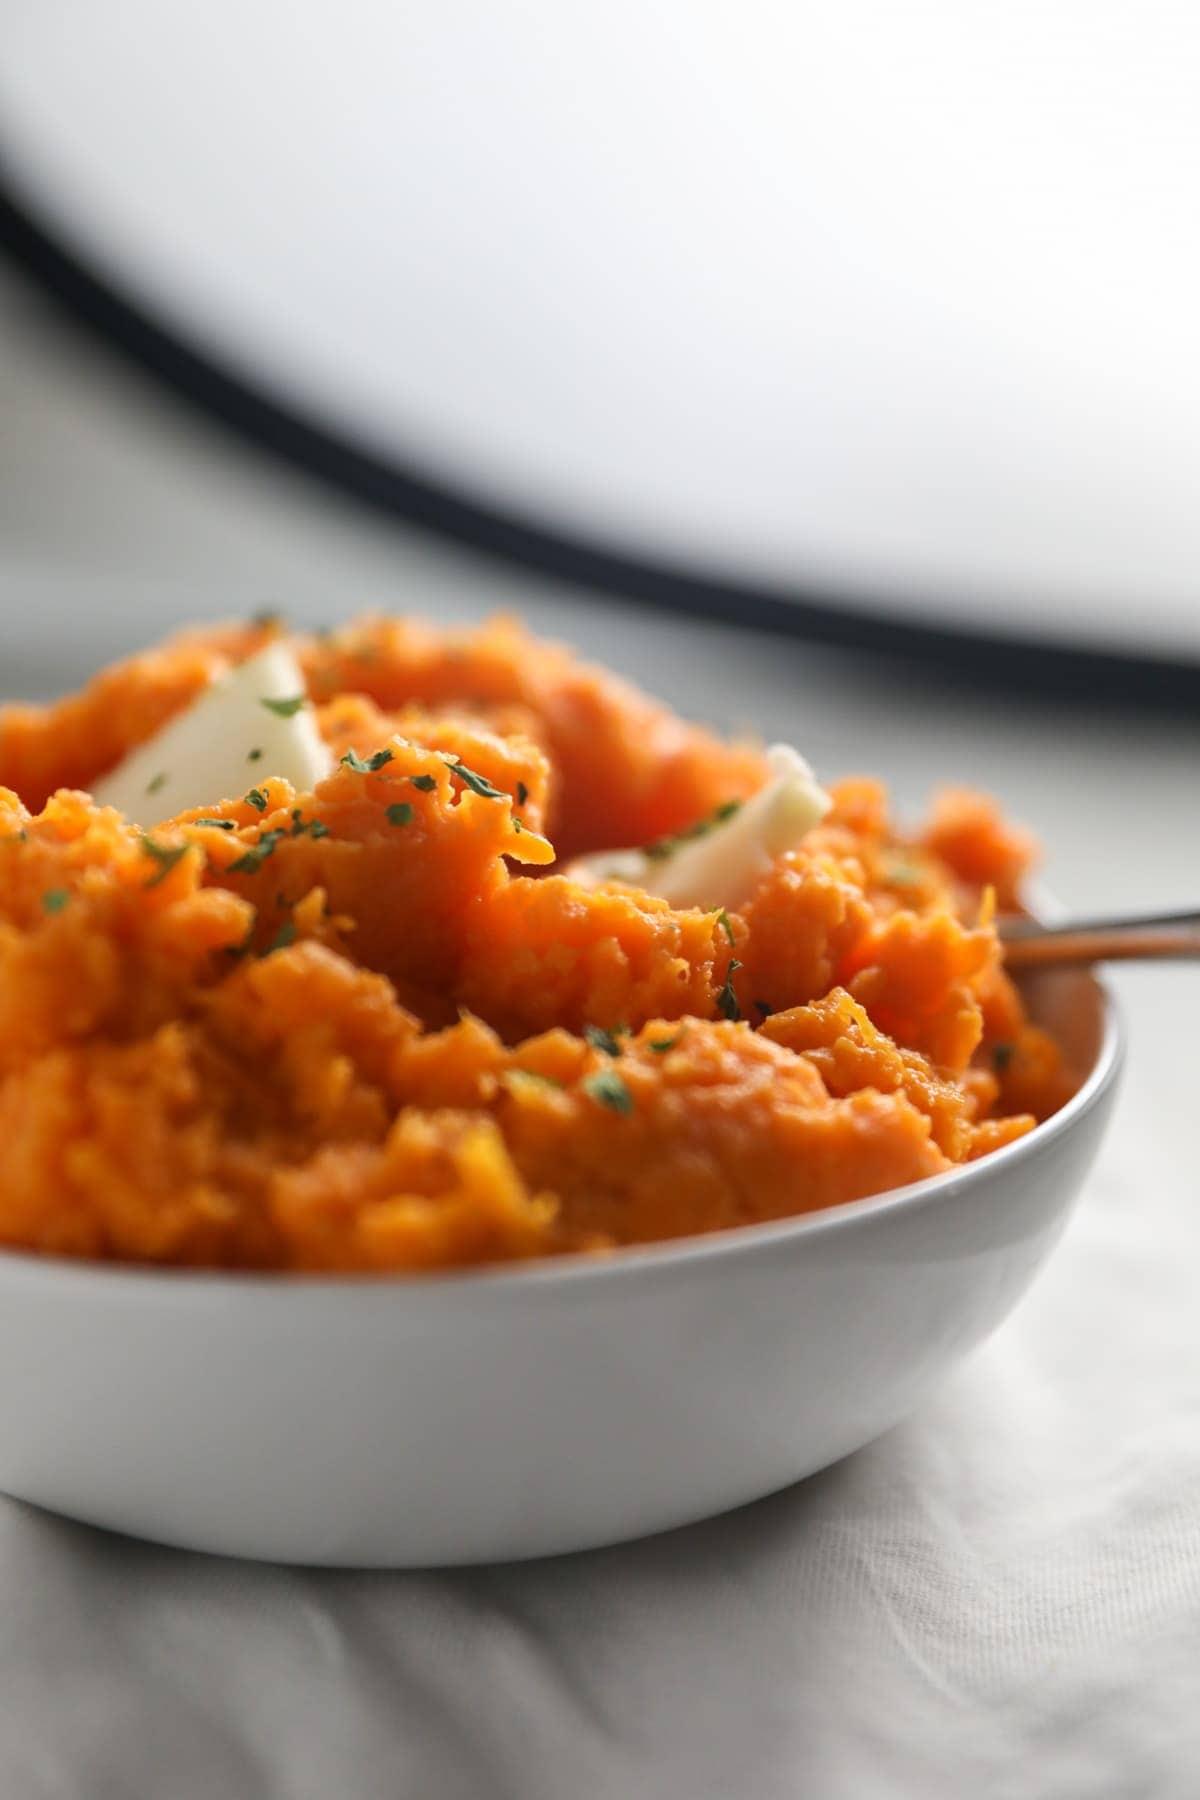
397, 949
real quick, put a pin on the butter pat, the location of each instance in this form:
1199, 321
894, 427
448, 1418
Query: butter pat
720, 864
227, 741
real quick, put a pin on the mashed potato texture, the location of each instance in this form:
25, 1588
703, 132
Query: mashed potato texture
379, 1027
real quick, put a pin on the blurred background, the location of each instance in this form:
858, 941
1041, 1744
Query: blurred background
829, 368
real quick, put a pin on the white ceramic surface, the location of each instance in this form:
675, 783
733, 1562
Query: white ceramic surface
528, 1411
885, 300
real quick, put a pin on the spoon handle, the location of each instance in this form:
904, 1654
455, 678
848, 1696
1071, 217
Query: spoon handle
1028, 944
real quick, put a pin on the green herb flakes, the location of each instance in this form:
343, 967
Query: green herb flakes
216, 824
600, 1039
1002, 1055
254, 755
158, 783
901, 873
257, 799
165, 855
54, 900
727, 1002
607, 1088
367, 765
400, 814
536, 1075
285, 709
301, 826
478, 784
247, 943
283, 937
253, 859
522, 793
725, 925
667, 846
660, 1046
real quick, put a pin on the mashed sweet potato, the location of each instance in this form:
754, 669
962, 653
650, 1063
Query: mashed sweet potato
380, 1027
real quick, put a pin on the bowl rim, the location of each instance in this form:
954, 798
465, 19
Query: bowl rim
572, 1270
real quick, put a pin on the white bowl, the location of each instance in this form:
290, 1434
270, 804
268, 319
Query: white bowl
550, 1407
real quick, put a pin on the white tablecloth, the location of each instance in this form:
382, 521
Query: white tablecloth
1000, 1598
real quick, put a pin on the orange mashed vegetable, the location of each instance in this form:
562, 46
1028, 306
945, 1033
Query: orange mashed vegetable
352, 1031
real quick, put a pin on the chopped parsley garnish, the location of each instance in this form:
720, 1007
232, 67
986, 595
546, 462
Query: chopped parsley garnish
158, 783
760, 1006
667, 846
253, 859
536, 1075
285, 709
607, 1088
316, 828
660, 1046
600, 1039
267, 620
478, 784
522, 793
367, 765
283, 937
257, 799
727, 1001
726, 927
165, 855
254, 755
426, 783
247, 942
1002, 1055
216, 824
400, 814
55, 900
901, 873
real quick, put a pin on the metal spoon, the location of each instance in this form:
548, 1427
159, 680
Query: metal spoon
1029, 944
